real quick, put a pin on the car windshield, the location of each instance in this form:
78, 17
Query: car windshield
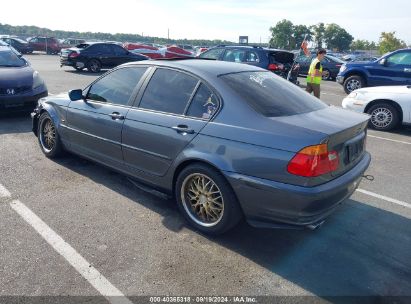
271, 95
82, 45
9, 59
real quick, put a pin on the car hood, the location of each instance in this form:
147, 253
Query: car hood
16, 76
386, 89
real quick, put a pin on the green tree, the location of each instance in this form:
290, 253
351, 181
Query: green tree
363, 45
299, 32
336, 37
389, 43
281, 35
318, 32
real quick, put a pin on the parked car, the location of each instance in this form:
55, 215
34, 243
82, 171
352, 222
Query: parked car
331, 65
278, 61
19, 44
98, 55
20, 85
391, 69
227, 140
361, 57
45, 44
388, 106
71, 42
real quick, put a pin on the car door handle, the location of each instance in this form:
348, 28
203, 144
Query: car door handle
116, 116
407, 70
183, 129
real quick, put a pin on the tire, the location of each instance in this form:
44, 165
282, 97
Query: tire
94, 66
326, 74
352, 83
48, 137
384, 117
217, 210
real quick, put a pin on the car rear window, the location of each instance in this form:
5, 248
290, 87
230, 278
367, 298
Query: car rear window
271, 95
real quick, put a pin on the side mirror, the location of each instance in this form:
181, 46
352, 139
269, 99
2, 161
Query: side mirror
76, 95
383, 62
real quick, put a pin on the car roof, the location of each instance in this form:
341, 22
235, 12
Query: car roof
202, 66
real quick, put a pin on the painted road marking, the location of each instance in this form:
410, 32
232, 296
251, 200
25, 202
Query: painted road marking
92, 275
4, 192
394, 140
385, 198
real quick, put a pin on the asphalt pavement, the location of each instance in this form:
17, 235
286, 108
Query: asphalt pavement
59, 216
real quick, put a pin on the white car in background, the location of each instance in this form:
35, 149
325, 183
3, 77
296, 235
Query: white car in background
388, 106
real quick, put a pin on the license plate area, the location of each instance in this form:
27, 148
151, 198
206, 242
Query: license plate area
353, 150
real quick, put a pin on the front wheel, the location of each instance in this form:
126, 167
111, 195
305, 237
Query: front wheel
353, 83
48, 137
206, 200
384, 117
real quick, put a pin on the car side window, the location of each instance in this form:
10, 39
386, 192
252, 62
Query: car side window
234, 55
212, 54
403, 58
252, 57
204, 103
117, 86
168, 91
118, 50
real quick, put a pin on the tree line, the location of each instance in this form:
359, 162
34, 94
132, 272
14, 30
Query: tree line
288, 36
31, 31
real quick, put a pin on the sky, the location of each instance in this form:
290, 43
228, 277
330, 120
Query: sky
211, 19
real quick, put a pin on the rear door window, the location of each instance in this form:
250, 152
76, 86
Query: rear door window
204, 103
168, 91
235, 55
271, 95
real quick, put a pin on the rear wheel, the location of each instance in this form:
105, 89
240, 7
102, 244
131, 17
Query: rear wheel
206, 200
353, 83
384, 117
94, 66
48, 137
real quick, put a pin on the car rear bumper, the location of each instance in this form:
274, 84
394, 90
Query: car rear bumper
270, 204
20, 102
69, 62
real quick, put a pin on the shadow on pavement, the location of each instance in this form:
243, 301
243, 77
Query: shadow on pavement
19, 122
360, 251
85, 72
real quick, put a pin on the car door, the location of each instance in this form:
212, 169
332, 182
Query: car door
94, 124
235, 55
304, 63
395, 70
35, 43
121, 55
173, 108
104, 53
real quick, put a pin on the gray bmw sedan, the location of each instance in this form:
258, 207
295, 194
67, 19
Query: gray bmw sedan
228, 141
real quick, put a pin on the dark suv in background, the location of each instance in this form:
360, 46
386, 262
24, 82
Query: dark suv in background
19, 44
278, 61
97, 55
45, 44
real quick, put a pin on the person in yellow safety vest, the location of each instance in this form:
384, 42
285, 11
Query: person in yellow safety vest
315, 74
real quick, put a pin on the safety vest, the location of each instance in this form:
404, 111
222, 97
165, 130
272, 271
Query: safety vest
316, 79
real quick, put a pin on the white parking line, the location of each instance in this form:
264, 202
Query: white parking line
92, 275
4, 192
385, 198
394, 140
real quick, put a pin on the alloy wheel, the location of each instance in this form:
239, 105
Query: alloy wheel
353, 84
381, 117
202, 200
48, 135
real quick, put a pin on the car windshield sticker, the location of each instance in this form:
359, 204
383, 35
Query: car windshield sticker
259, 78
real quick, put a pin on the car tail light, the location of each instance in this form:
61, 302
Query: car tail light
273, 67
314, 161
74, 54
